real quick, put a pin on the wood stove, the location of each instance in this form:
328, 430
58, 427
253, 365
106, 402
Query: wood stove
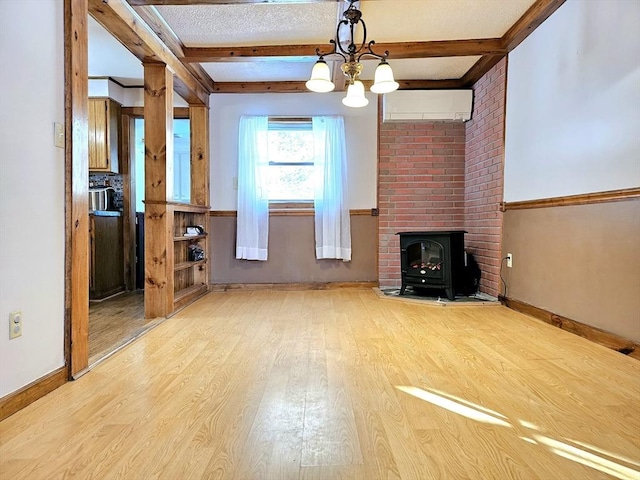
433, 260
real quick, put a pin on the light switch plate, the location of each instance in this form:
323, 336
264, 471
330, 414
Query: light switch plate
58, 135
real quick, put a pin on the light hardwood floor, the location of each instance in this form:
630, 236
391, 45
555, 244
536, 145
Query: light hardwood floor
338, 384
116, 321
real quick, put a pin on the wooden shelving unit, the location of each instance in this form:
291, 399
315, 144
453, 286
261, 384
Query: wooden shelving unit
190, 278
172, 281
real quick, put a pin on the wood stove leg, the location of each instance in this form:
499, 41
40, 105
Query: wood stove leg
450, 294
402, 289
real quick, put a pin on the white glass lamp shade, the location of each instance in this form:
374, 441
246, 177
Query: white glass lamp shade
355, 95
320, 80
383, 80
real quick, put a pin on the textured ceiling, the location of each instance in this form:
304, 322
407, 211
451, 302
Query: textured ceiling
254, 24
315, 23
386, 20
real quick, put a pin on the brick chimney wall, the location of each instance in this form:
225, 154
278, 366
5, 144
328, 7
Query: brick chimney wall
421, 185
445, 175
484, 167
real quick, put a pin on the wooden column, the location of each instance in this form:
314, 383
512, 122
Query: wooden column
199, 116
77, 187
158, 238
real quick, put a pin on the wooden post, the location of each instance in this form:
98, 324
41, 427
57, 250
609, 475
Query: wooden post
77, 187
199, 116
158, 238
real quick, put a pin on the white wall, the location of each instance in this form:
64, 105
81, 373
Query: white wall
573, 103
361, 125
31, 189
134, 97
127, 97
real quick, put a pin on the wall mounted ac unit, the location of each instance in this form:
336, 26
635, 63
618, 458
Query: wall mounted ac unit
427, 105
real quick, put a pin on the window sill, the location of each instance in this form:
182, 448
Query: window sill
291, 208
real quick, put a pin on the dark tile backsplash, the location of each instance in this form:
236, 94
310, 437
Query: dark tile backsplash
109, 180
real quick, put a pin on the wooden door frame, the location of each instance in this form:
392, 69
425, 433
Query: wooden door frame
76, 85
76, 15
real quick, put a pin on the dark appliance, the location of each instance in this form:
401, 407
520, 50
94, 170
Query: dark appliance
432, 260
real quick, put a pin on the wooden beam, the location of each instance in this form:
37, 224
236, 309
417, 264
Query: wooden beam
158, 140
151, 16
481, 67
260, 87
532, 19
199, 116
397, 50
425, 84
220, 2
299, 87
119, 18
77, 186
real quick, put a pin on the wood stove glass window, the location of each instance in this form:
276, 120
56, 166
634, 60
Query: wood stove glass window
425, 257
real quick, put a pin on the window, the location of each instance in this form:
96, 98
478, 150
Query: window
291, 152
294, 175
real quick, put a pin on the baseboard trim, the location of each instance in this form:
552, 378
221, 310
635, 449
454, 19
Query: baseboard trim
10, 404
596, 335
224, 287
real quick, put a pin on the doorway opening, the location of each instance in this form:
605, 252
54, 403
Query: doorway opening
116, 321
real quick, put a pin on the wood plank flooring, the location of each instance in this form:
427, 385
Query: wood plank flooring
116, 321
338, 384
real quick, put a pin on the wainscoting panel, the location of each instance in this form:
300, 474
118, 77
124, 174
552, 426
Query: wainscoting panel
580, 261
292, 253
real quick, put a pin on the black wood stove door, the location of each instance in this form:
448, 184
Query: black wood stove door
425, 259
432, 260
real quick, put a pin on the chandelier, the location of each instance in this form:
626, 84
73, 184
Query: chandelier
320, 80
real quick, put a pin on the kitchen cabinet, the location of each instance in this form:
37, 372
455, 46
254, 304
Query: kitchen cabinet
104, 133
106, 265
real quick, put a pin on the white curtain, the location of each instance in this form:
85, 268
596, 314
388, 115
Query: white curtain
333, 230
252, 233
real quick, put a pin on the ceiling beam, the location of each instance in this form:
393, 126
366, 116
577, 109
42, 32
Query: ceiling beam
260, 87
532, 19
151, 16
477, 71
397, 50
119, 19
298, 87
137, 3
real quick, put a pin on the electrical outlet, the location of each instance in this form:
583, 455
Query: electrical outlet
509, 260
15, 325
